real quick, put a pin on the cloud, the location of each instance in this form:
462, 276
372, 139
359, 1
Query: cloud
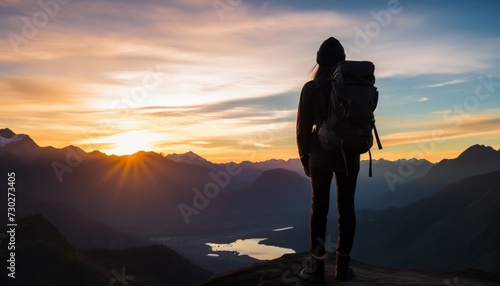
437, 129
222, 81
446, 83
409, 57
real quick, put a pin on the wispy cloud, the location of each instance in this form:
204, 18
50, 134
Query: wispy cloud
446, 83
437, 129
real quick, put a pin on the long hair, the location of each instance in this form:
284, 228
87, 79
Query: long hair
318, 69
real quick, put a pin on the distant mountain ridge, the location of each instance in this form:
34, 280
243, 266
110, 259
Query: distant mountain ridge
81, 231
190, 158
475, 160
177, 171
44, 257
19, 145
387, 177
282, 189
6, 133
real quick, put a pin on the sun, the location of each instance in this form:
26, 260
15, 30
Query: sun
130, 142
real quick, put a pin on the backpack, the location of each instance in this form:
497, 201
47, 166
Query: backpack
350, 120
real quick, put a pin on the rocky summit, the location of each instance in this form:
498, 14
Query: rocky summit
284, 271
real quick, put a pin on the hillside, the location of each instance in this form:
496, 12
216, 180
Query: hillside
80, 230
276, 189
475, 160
388, 176
44, 257
455, 229
152, 265
283, 271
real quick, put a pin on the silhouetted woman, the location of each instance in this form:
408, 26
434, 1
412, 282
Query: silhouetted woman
321, 165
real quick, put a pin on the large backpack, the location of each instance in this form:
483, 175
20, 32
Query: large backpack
350, 120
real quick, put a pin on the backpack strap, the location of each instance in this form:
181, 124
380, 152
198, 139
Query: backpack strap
370, 166
375, 98
344, 156
376, 135
320, 104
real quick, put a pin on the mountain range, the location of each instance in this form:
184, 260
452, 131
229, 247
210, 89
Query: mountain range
457, 228
410, 207
475, 160
45, 257
147, 183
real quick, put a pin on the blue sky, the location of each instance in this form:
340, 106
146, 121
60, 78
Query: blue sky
222, 78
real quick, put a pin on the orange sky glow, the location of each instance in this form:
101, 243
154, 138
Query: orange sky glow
171, 77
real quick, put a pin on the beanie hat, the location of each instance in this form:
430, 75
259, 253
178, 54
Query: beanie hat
330, 53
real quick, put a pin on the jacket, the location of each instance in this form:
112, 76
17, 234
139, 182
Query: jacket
310, 112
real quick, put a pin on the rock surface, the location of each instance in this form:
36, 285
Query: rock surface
284, 271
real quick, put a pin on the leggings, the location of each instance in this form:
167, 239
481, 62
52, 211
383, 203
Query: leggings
346, 185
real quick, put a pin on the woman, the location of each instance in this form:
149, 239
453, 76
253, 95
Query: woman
321, 165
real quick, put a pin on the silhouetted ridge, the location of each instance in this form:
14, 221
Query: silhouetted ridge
19, 145
156, 265
477, 151
7, 137
36, 228
280, 182
278, 187
44, 257
457, 228
276, 174
80, 230
6, 133
475, 160
189, 157
474, 187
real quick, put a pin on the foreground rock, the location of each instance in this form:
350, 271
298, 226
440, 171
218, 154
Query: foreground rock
284, 271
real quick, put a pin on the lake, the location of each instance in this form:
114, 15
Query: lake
251, 247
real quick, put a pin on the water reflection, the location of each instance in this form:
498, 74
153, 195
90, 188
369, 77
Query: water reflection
253, 248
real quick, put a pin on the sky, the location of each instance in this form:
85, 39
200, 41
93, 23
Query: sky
222, 78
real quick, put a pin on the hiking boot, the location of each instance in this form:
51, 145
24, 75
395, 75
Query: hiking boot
342, 271
314, 272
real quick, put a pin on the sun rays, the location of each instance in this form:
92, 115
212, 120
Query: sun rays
130, 171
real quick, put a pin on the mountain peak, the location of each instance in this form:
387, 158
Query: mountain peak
7, 136
475, 151
278, 172
280, 181
189, 158
6, 133
20, 146
18, 139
